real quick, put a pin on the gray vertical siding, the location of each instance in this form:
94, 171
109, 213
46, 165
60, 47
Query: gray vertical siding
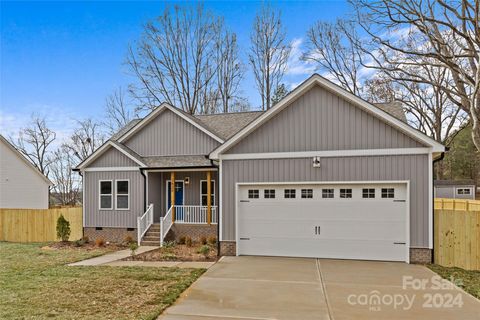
169, 134
321, 120
157, 188
112, 218
113, 158
412, 167
450, 192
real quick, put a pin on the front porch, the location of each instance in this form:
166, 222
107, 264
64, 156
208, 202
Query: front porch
181, 203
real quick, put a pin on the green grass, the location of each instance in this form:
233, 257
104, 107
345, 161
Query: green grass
36, 284
470, 279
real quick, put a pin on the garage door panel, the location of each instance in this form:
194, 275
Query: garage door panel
347, 228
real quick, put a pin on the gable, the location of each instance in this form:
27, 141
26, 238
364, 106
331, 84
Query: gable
321, 120
113, 158
168, 134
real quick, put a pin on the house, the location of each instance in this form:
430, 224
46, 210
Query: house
455, 189
321, 174
22, 185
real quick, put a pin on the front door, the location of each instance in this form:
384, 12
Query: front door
178, 198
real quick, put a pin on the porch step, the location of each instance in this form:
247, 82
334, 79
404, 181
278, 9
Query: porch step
151, 238
155, 243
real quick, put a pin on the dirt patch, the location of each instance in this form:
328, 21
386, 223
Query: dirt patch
82, 246
179, 252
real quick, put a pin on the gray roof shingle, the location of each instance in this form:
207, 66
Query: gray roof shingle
394, 109
225, 125
177, 161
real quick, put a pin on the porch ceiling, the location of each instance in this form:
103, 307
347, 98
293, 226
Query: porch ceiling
188, 161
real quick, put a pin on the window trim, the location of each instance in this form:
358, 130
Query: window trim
307, 192
463, 194
213, 193
105, 194
116, 195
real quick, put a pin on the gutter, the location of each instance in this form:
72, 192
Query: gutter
144, 189
433, 201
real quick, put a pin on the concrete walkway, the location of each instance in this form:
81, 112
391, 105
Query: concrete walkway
114, 256
264, 288
162, 264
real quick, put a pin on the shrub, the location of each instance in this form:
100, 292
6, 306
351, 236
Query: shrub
63, 228
188, 241
78, 243
169, 256
169, 244
205, 250
182, 239
212, 240
85, 239
133, 247
128, 240
203, 240
99, 242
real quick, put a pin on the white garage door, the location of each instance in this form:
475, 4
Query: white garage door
343, 221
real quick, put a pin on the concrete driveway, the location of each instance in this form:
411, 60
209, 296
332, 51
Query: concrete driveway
293, 288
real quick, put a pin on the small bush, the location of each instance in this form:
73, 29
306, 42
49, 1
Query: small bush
212, 240
203, 240
78, 243
63, 228
205, 250
85, 239
182, 239
170, 256
128, 240
169, 244
99, 242
133, 247
188, 241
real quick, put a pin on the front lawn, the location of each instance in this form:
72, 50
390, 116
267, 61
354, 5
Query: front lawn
470, 279
35, 283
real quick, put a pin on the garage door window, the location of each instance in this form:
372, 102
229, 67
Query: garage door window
345, 193
307, 193
388, 193
327, 193
269, 193
463, 191
289, 194
253, 194
368, 193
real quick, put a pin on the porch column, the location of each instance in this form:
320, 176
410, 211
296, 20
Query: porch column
209, 197
172, 194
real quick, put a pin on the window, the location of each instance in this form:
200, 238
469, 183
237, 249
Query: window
368, 193
204, 193
464, 191
388, 193
122, 195
106, 195
253, 194
327, 193
289, 193
345, 193
269, 193
307, 193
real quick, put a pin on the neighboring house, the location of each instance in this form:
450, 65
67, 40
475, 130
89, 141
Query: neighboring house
22, 185
321, 174
455, 189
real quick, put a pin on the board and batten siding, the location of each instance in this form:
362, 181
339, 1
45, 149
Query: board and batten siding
168, 134
157, 189
413, 168
321, 120
94, 217
113, 158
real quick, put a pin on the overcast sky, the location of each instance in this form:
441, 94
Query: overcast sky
61, 59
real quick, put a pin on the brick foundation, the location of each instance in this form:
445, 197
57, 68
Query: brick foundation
109, 234
194, 231
228, 248
420, 255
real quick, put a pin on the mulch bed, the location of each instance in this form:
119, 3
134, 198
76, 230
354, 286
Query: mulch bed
84, 246
178, 252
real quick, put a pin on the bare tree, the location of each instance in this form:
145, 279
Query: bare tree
118, 113
330, 46
230, 69
67, 183
35, 143
174, 59
443, 33
269, 53
85, 139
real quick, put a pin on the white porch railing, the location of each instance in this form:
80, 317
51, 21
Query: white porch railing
165, 225
144, 222
194, 214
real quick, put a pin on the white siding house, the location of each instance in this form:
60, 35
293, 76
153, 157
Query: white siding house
22, 186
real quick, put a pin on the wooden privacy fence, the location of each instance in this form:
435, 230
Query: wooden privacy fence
38, 225
457, 233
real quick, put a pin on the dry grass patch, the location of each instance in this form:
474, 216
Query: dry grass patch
469, 279
179, 252
36, 283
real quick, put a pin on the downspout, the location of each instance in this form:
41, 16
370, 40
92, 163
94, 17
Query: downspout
83, 199
144, 189
433, 201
